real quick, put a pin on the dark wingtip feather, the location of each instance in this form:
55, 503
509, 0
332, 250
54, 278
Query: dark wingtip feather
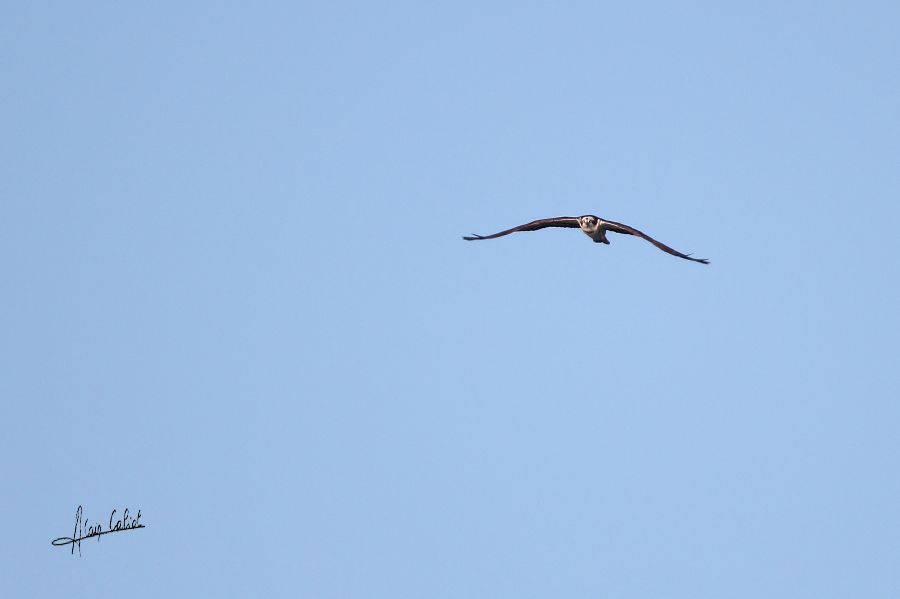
700, 260
474, 237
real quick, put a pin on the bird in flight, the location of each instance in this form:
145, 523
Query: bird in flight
592, 226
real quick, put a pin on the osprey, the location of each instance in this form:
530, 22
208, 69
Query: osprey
592, 226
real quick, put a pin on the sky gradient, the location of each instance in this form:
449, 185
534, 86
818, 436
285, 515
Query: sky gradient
236, 298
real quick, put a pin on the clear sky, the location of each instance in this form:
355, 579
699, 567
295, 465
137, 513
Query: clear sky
235, 297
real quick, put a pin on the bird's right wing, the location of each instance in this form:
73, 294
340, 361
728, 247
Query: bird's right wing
569, 222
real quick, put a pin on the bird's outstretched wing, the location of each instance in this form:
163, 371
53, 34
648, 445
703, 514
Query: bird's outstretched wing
569, 222
625, 229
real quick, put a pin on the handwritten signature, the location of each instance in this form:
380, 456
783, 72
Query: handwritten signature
84, 530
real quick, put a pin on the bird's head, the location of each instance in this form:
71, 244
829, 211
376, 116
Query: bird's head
589, 223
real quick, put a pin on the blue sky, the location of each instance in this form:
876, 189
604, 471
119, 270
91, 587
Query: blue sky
236, 298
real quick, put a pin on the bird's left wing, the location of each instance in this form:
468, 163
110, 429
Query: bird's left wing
625, 229
570, 222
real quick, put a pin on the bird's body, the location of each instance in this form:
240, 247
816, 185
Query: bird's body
592, 226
